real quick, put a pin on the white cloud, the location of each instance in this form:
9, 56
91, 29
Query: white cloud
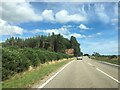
74, 0
101, 13
83, 27
68, 26
19, 12
48, 15
77, 35
7, 29
13, 0
116, 9
94, 35
103, 17
63, 16
63, 31
99, 34
56, 31
24, 12
114, 20
33, 31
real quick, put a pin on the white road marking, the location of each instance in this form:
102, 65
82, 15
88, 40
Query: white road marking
110, 63
80, 61
43, 85
108, 75
90, 64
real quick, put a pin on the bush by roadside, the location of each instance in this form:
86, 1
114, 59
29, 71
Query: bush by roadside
16, 60
29, 78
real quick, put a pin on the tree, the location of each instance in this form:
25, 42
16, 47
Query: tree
56, 43
81, 53
95, 54
86, 55
75, 45
20, 42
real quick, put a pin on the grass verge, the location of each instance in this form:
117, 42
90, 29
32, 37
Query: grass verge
28, 78
113, 61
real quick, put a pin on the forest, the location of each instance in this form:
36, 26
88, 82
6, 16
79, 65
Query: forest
18, 54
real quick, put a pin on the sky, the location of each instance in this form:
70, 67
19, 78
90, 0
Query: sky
94, 24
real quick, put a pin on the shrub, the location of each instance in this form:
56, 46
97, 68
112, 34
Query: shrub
32, 56
16, 60
13, 62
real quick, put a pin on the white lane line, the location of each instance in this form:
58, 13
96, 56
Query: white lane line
43, 85
108, 75
90, 64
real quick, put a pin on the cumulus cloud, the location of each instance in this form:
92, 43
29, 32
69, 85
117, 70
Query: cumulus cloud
83, 27
63, 16
48, 15
19, 12
24, 12
7, 29
63, 31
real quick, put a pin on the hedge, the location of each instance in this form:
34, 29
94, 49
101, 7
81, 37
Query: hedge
16, 60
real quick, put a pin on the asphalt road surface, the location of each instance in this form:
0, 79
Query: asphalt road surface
86, 73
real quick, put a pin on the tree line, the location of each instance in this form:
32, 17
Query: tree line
54, 43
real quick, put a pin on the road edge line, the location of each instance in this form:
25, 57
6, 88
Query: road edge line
108, 75
46, 82
103, 62
110, 64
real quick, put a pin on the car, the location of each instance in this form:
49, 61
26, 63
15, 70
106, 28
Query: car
79, 58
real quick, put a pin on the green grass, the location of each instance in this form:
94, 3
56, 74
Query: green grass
31, 77
0, 85
106, 59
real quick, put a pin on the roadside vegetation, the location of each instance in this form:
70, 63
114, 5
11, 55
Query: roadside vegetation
17, 60
106, 58
28, 78
19, 56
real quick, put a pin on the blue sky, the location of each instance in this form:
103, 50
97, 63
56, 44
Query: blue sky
95, 25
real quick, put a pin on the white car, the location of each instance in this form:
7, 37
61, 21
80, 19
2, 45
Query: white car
79, 58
